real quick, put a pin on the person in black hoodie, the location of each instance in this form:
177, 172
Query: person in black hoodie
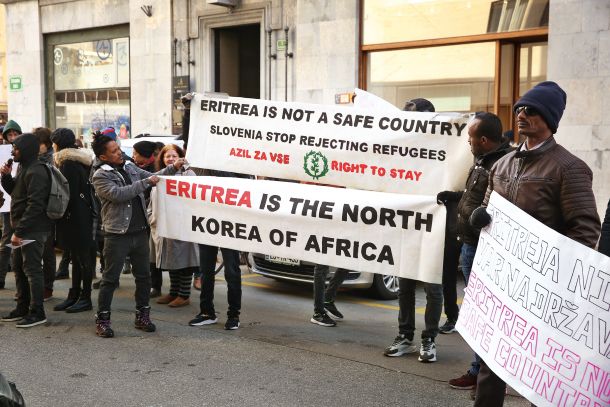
29, 198
75, 230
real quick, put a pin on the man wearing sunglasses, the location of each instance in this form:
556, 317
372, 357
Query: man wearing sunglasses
546, 181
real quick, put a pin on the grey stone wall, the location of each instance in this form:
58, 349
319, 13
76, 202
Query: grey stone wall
24, 58
579, 61
151, 67
322, 36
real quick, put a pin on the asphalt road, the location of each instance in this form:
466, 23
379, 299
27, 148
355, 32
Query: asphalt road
276, 358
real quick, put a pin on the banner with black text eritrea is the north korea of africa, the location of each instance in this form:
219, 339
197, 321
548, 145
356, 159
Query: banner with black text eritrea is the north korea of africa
400, 152
373, 232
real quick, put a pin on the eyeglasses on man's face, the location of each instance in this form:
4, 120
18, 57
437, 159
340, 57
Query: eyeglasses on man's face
529, 111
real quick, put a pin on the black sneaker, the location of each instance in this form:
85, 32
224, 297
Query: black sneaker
203, 319
448, 327
331, 308
232, 324
14, 315
322, 319
31, 320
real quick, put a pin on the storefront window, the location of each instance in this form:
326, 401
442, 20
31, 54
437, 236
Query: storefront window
91, 86
409, 20
457, 78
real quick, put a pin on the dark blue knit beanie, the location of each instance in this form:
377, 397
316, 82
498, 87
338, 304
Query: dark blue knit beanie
549, 99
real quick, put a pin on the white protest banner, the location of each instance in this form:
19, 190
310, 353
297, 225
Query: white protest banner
374, 232
366, 100
393, 151
536, 310
5, 154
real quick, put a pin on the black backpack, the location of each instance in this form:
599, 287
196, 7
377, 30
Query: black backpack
59, 195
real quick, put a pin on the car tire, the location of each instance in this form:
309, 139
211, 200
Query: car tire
385, 287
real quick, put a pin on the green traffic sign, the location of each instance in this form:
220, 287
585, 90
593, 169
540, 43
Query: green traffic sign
281, 45
15, 83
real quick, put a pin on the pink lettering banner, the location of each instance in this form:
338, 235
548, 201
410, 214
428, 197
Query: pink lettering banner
537, 310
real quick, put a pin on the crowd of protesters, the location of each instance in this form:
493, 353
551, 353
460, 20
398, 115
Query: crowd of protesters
110, 215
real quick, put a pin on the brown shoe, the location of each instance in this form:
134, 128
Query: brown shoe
166, 299
47, 295
197, 283
179, 302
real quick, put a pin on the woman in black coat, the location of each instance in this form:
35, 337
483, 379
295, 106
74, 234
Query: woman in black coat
75, 230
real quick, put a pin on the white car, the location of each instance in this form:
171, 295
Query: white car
281, 268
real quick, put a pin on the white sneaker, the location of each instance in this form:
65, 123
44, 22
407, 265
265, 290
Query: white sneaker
400, 346
427, 351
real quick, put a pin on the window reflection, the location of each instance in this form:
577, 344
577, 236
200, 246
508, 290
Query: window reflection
91, 82
409, 20
458, 78
87, 111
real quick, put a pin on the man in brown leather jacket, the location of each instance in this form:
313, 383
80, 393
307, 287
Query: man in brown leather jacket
546, 181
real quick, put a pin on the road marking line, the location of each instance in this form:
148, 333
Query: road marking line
376, 305
251, 284
252, 275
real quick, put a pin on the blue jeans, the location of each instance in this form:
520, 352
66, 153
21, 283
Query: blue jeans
468, 252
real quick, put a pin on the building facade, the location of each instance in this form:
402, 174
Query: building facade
85, 64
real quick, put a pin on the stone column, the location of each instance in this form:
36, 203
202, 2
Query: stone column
24, 58
151, 67
579, 61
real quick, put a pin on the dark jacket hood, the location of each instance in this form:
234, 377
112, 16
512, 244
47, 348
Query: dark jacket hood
29, 146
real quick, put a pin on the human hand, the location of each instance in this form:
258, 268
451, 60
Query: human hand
186, 99
179, 163
153, 180
480, 218
16, 241
7, 168
443, 197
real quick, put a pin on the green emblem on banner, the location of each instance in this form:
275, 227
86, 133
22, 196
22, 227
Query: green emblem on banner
315, 164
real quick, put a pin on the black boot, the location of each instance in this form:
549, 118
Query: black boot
83, 304
102, 325
71, 300
143, 321
62, 269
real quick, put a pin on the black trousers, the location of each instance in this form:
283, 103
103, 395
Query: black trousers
207, 261
116, 249
26, 262
451, 259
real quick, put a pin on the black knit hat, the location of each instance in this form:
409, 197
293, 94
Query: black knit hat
548, 99
64, 138
419, 105
145, 148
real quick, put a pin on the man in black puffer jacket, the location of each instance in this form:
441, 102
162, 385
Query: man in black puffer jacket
487, 146
29, 198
